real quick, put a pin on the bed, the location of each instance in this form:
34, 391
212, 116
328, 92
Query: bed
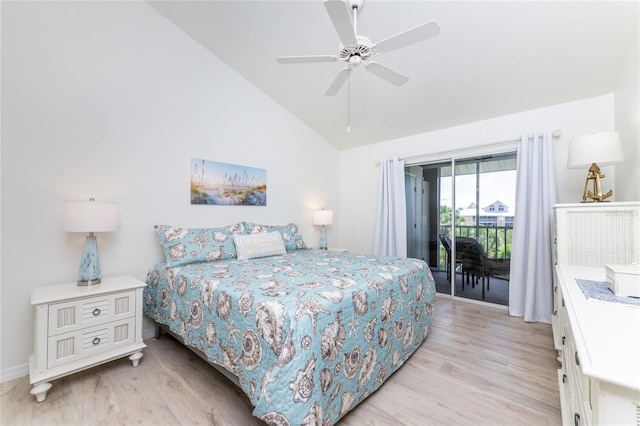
308, 334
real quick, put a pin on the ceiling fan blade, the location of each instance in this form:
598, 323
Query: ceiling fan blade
337, 82
386, 73
414, 35
339, 14
306, 59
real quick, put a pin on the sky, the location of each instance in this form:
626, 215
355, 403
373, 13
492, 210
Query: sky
493, 186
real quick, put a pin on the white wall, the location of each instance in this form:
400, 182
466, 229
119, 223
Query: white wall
627, 119
108, 99
359, 172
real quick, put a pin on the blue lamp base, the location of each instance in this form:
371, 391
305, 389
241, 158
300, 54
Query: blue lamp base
90, 263
323, 238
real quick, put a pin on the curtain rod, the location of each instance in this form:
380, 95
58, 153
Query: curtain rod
556, 134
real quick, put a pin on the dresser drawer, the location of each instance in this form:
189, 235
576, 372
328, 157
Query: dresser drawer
69, 347
70, 316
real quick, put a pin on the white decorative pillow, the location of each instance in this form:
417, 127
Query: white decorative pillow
259, 245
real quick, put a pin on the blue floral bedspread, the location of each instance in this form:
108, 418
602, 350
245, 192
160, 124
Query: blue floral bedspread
309, 334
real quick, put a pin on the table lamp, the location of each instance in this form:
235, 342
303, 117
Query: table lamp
90, 216
323, 217
603, 148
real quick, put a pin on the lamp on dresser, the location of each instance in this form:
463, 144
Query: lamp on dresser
585, 151
323, 217
90, 217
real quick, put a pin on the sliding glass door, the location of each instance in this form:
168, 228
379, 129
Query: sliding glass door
466, 224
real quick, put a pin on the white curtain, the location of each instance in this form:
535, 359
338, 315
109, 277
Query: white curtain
531, 280
391, 220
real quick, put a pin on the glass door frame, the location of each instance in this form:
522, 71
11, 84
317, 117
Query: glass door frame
451, 157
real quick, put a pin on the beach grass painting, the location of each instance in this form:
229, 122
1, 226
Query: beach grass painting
227, 184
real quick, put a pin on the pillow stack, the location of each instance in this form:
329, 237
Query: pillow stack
183, 246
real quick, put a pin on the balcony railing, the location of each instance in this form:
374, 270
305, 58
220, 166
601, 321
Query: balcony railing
496, 240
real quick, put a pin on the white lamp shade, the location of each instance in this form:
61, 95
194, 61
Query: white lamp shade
90, 216
323, 217
602, 148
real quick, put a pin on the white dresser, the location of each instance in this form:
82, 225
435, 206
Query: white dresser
598, 341
76, 328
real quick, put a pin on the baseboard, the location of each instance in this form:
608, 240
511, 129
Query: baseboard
14, 372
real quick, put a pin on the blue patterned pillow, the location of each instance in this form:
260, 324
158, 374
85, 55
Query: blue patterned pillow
183, 245
290, 234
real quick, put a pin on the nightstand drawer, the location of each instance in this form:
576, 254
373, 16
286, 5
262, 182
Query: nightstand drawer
70, 316
68, 347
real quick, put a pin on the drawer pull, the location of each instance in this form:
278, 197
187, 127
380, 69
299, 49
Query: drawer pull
563, 339
96, 340
576, 419
564, 378
577, 359
96, 312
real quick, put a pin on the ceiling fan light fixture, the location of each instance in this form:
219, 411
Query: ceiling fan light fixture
362, 49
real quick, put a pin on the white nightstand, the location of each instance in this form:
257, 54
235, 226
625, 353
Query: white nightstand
76, 328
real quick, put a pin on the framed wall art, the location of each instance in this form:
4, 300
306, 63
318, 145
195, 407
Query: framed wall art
226, 184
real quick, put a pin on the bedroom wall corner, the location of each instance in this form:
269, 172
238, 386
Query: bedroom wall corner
107, 99
627, 119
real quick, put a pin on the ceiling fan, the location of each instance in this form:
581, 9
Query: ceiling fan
355, 49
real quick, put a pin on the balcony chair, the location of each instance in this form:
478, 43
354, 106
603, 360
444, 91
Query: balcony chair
446, 243
477, 265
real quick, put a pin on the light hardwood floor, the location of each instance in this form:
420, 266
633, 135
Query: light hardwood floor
478, 366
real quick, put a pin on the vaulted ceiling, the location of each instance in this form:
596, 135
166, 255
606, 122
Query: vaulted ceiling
490, 59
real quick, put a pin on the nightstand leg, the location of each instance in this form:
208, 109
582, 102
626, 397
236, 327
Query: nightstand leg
40, 391
135, 358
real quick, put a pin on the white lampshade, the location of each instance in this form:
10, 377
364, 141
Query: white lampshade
90, 216
602, 148
323, 217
